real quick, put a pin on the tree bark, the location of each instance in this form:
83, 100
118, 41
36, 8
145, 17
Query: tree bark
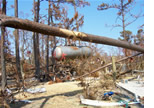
123, 25
3, 65
114, 69
54, 31
36, 41
17, 44
47, 42
123, 20
22, 53
52, 23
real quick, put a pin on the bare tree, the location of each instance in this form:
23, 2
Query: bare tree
79, 21
124, 8
17, 44
23, 40
47, 40
3, 65
36, 39
22, 52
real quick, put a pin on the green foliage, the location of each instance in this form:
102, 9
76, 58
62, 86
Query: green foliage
128, 36
139, 38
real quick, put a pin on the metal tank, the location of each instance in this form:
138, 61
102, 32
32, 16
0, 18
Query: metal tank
64, 52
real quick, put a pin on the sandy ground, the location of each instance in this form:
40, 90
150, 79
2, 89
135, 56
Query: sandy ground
59, 95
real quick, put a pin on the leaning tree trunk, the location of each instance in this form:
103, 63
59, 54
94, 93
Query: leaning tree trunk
54, 31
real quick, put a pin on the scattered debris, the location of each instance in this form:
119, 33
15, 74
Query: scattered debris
50, 82
136, 88
25, 101
102, 103
107, 95
37, 90
99, 87
133, 87
8, 91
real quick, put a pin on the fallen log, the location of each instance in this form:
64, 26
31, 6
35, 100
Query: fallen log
54, 31
123, 73
96, 70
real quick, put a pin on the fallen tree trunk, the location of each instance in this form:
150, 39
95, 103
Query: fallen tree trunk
54, 31
123, 73
96, 70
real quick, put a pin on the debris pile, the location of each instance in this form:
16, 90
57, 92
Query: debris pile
96, 89
107, 89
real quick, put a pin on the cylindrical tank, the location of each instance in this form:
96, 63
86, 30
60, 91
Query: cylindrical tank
64, 52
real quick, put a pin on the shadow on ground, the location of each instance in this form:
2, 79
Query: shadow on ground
22, 104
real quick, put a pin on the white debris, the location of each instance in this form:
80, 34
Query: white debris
101, 103
36, 90
8, 91
26, 101
134, 87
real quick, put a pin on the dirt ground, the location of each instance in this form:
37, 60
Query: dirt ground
59, 95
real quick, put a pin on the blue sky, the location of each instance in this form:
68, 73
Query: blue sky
94, 20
